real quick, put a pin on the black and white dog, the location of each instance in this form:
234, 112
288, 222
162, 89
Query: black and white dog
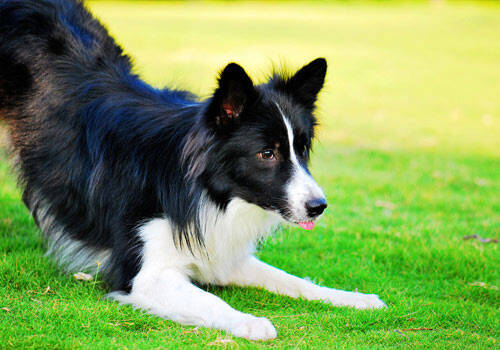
154, 186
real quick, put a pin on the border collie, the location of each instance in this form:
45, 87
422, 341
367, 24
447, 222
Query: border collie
153, 186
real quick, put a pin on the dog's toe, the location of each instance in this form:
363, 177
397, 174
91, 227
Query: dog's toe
351, 299
255, 328
368, 301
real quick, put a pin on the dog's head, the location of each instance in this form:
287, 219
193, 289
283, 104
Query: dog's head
262, 141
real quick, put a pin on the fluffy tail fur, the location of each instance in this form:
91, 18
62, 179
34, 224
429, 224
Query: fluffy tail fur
36, 36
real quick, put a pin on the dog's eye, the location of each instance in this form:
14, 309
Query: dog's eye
267, 154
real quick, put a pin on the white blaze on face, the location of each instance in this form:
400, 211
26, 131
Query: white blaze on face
301, 187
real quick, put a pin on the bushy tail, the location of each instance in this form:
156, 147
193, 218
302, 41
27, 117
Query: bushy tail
15, 83
43, 39
23, 25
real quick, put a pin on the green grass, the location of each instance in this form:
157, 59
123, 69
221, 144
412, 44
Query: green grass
408, 154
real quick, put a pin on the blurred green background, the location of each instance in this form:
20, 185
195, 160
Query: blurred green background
422, 75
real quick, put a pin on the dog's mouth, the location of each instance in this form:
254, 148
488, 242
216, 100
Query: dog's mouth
304, 222
305, 215
306, 225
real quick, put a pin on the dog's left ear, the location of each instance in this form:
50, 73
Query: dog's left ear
234, 93
305, 85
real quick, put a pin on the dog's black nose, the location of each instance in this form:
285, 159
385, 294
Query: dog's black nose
315, 207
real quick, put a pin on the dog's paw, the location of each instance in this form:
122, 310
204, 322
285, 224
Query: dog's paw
254, 328
352, 299
366, 301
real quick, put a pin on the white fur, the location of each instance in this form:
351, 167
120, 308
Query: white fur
73, 255
255, 273
301, 187
163, 285
230, 237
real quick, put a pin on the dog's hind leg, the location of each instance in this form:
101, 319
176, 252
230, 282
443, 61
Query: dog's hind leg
162, 287
255, 273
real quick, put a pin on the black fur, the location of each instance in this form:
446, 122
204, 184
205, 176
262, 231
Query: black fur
102, 151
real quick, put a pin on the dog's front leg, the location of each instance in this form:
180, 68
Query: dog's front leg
171, 295
254, 272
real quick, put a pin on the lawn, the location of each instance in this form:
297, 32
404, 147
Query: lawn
408, 154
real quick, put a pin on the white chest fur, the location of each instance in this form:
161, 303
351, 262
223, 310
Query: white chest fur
229, 238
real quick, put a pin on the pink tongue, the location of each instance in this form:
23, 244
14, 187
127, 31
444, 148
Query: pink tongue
308, 225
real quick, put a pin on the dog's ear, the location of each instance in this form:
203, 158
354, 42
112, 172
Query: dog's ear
234, 93
305, 85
